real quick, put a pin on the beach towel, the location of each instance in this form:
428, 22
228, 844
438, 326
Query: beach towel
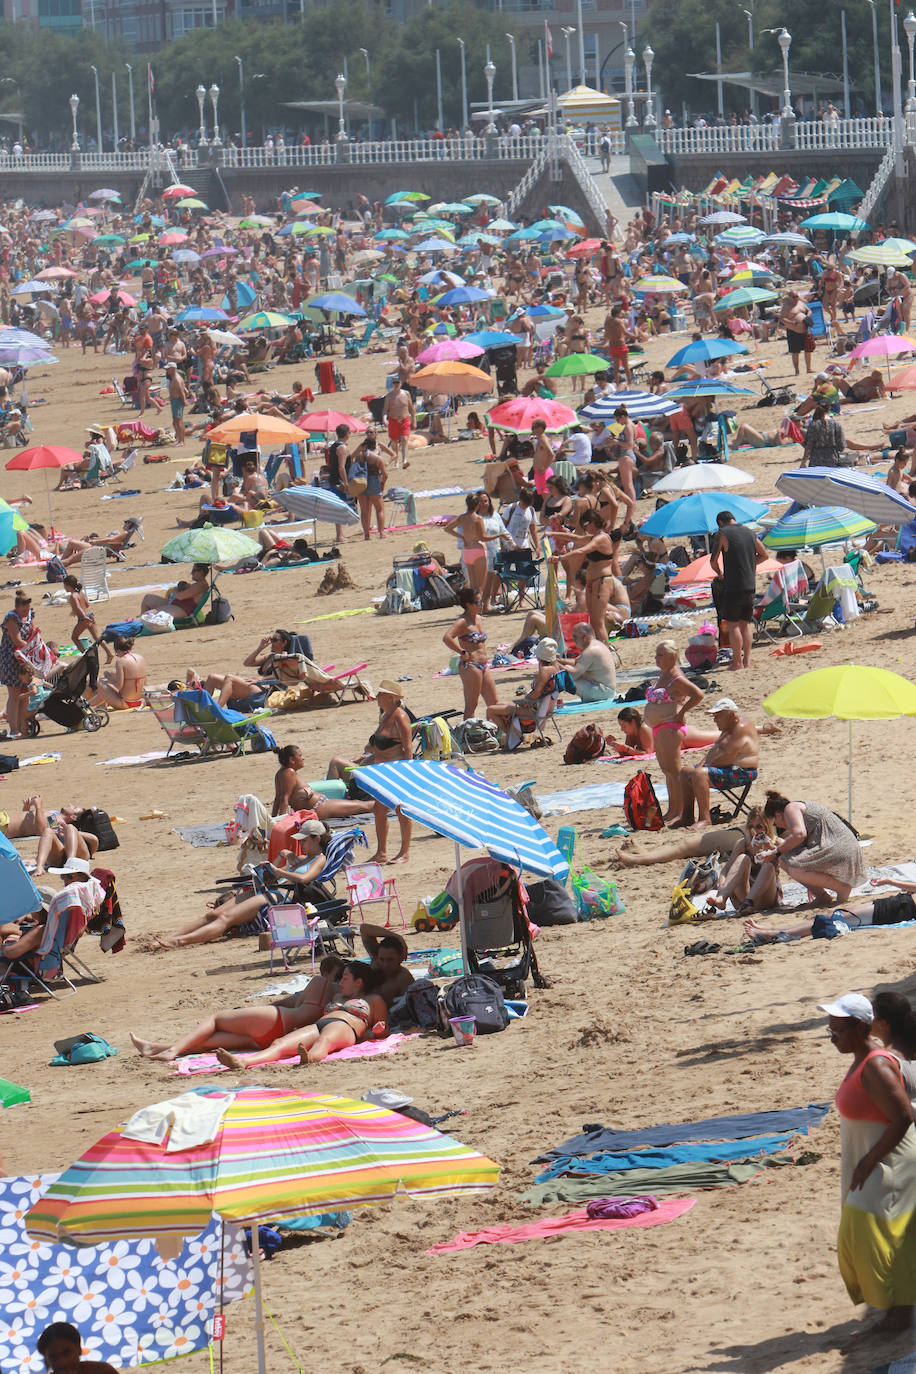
609, 1162
576, 707
679, 1178
123, 760
666, 1211
738, 1127
593, 797
202, 836
208, 1063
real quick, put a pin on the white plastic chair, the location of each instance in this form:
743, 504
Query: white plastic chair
368, 886
94, 575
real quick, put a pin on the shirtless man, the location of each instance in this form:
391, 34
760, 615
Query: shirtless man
615, 339
899, 285
400, 414
291, 794
732, 760
123, 689
405, 365
795, 316
178, 397
387, 953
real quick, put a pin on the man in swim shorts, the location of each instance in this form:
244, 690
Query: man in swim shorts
732, 761
178, 395
400, 415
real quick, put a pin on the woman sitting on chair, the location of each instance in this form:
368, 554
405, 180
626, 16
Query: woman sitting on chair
390, 743
184, 598
278, 666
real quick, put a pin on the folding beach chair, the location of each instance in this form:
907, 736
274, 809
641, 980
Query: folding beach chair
788, 618
736, 795
528, 720
519, 574
223, 729
324, 683
290, 927
57, 951
367, 885
179, 732
94, 574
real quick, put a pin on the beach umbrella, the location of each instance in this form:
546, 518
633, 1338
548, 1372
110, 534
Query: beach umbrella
543, 312
850, 691
577, 365
300, 227
700, 570
723, 217
835, 219
315, 503
20, 895
815, 526
273, 1155
201, 314
439, 277
21, 336
326, 421
452, 207
703, 350
222, 336
740, 235
745, 295
696, 514
210, 544
135, 238
31, 288
484, 198
463, 295
25, 355
453, 378
124, 298
449, 349
522, 235
222, 250
306, 195
55, 274
367, 255
266, 319
336, 303
179, 189
468, 809
436, 245
191, 203
491, 338
405, 195
391, 234
678, 238
640, 405
703, 477
789, 240
884, 346
10, 1093
904, 380
44, 456
846, 487
185, 255
501, 226
706, 386
659, 285
566, 212
319, 231
883, 255
517, 415
255, 222
172, 238
43, 216
269, 429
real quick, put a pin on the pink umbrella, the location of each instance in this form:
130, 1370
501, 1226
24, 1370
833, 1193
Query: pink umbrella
517, 415
173, 237
884, 346
449, 349
55, 274
101, 298
323, 421
179, 189
224, 252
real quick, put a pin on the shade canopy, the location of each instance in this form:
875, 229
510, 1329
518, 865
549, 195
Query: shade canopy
847, 487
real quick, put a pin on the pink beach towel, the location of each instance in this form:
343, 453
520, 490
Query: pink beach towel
208, 1063
667, 1210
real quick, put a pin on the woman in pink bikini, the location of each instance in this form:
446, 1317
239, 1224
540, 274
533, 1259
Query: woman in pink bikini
472, 532
667, 701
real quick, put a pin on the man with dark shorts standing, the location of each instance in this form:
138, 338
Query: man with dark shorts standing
735, 556
795, 316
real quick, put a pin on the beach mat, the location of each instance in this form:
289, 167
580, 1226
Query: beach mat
593, 797
208, 1063
549, 1227
574, 707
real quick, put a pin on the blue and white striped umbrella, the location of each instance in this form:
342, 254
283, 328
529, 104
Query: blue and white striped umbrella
855, 491
640, 406
740, 234
315, 503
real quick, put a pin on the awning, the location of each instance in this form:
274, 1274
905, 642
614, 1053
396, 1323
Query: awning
812, 84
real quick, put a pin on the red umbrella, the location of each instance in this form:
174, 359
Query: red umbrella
518, 414
323, 421
179, 189
44, 456
584, 249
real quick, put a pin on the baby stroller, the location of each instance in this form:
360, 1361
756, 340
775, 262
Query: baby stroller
65, 703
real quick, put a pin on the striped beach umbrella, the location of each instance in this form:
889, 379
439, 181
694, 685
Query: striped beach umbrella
883, 255
816, 526
273, 1154
854, 490
740, 234
663, 285
640, 405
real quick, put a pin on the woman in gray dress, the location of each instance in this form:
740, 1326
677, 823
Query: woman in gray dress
816, 848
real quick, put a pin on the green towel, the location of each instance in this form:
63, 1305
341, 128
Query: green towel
678, 1178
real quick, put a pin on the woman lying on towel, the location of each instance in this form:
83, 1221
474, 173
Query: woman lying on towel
254, 1028
247, 915
357, 1013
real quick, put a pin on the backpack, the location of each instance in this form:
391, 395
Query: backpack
95, 821
586, 744
640, 804
477, 996
549, 904
56, 570
476, 736
219, 612
419, 1006
436, 594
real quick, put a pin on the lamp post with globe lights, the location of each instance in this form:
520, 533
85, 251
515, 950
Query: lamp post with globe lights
629, 68
788, 132
214, 105
74, 103
648, 57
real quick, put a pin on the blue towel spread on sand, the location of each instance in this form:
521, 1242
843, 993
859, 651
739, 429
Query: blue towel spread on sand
575, 707
608, 1162
737, 1127
593, 797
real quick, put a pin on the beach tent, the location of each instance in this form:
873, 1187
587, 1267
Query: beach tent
583, 104
470, 810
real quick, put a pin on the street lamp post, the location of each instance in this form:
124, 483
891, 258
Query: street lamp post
114, 110
464, 88
874, 40
98, 106
629, 70
750, 45
788, 135
214, 104
489, 72
511, 38
897, 92
130, 93
340, 84
648, 57
581, 29
201, 94
75, 145
567, 34
365, 53
242, 121
909, 28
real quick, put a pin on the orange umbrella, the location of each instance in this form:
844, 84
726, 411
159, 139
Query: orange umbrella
453, 378
904, 380
700, 570
268, 428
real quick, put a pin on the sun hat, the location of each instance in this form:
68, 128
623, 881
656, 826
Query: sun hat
546, 650
852, 1006
74, 866
723, 704
393, 689
308, 830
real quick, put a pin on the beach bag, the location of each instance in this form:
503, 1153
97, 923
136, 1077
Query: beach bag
436, 595
682, 910
477, 736
594, 896
157, 622
640, 804
8, 763
549, 904
56, 569
700, 875
419, 1006
586, 744
477, 996
87, 1048
357, 479
219, 613
95, 821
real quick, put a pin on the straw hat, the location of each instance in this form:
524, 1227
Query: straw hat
392, 689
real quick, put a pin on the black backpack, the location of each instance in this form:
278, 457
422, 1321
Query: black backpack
477, 996
95, 821
219, 612
436, 594
549, 904
419, 1006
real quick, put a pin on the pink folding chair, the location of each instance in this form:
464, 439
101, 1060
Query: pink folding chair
368, 886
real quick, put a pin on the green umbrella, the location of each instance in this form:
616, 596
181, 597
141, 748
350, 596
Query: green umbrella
113, 238
11, 1093
745, 295
577, 364
210, 544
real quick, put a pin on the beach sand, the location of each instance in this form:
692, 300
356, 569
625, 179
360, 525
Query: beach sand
630, 1033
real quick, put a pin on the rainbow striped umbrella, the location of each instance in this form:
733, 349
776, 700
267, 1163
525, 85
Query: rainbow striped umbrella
273, 1154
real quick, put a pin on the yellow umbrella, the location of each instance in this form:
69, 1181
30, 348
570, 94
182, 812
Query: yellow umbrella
268, 428
850, 692
453, 378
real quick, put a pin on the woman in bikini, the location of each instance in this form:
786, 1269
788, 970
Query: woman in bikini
182, 599
467, 638
667, 701
391, 743
253, 1028
472, 531
356, 1014
597, 552
122, 689
290, 794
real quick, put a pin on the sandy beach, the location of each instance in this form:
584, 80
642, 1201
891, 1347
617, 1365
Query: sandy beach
630, 1033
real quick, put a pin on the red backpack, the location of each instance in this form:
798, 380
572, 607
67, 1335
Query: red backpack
585, 745
640, 804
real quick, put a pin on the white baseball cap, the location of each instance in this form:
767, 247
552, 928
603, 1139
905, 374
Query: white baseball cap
723, 704
852, 1006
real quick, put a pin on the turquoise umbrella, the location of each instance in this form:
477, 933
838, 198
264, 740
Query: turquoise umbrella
835, 219
745, 295
816, 526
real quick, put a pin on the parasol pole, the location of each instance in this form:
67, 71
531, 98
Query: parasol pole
461, 914
849, 779
258, 1308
